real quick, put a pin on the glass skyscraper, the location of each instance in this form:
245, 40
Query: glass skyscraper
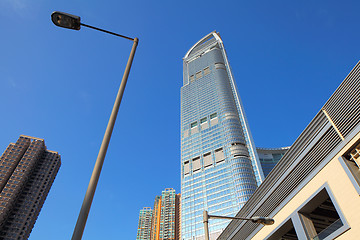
220, 168
269, 157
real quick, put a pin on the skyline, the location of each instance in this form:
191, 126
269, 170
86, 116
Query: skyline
272, 48
163, 220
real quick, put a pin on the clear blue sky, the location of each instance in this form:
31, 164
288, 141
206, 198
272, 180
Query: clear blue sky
58, 84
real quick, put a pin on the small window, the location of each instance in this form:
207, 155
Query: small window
285, 232
203, 120
186, 167
206, 71
320, 217
220, 65
196, 164
352, 164
219, 155
192, 78
207, 160
218, 150
354, 155
198, 75
194, 124
214, 115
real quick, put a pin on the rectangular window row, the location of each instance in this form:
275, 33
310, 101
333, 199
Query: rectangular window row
208, 160
194, 126
200, 74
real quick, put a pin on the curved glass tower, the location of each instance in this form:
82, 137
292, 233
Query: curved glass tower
219, 165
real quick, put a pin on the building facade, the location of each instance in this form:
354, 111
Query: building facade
27, 171
314, 191
162, 222
269, 157
155, 222
220, 168
144, 227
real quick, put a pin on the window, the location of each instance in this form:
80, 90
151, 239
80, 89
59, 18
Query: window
319, 217
354, 155
285, 232
213, 119
194, 124
219, 155
203, 120
192, 78
351, 163
198, 75
206, 71
186, 167
220, 65
207, 160
196, 165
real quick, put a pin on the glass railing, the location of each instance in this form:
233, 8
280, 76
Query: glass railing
329, 230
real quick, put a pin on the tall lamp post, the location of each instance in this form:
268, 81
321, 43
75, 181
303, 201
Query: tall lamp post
260, 220
66, 20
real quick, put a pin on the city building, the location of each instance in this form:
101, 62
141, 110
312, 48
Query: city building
155, 222
314, 190
144, 228
27, 171
269, 157
220, 168
162, 222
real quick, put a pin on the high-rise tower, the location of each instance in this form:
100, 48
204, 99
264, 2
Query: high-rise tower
220, 168
144, 228
27, 171
163, 222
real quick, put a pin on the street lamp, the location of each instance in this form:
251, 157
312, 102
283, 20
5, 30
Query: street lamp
260, 220
66, 20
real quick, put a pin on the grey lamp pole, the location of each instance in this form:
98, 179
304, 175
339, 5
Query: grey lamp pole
73, 22
206, 224
261, 220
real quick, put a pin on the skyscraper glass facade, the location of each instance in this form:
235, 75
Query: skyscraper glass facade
269, 157
220, 166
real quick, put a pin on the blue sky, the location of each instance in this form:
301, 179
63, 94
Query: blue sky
287, 57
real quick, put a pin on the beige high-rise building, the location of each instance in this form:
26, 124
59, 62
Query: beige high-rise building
27, 171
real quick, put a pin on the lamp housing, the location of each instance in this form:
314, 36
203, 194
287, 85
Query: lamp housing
66, 20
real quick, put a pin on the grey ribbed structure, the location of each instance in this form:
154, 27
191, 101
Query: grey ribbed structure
333, 123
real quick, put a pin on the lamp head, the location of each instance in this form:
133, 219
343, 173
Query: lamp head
263, 220
66, 20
